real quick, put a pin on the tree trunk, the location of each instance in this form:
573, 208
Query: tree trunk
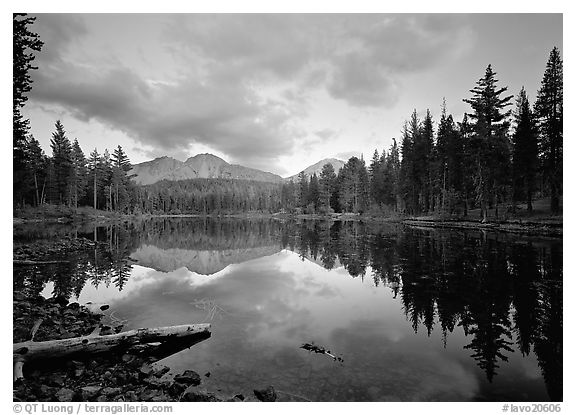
94, 189
30, 350
36, 188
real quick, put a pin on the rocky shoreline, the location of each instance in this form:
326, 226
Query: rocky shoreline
135, 375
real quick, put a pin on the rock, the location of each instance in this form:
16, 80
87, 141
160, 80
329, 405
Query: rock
192, 394
110, 392
89, 392
161, 371
148, 394
65, 395
107, 375
47, 390
266, 395
176, 389
146, 369
239, 396
130, 396
57, 380
207, 374
189, 377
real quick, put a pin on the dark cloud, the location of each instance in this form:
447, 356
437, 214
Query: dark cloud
57, 31
226, 64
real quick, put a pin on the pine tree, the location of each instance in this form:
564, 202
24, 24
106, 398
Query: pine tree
525, 152
95, 175
62, 163
25, 43
327, 188
549, 110
393, 169
424, 157
302, 189
490, 141
406, 184
313, 192
448, 166
119, 179
79, 175
36, 165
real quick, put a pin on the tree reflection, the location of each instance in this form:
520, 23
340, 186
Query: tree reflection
502, 290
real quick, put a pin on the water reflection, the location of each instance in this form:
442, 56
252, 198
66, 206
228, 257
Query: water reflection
495, 298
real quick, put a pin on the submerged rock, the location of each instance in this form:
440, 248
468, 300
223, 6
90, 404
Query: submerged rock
266, 395
189, 377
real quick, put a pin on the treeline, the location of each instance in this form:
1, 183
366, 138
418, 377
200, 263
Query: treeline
207, 196
68, 177
494, 156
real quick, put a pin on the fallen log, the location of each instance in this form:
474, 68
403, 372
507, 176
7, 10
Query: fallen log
93, 343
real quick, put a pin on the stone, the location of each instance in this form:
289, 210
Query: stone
88, 393
176, 389
189, 377
146, 369
161, 371
110, 391
266, 395
192, 394
65, 395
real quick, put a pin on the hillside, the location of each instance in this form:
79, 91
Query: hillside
201, 166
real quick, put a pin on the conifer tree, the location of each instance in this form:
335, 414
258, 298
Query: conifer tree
36, 164
327, 187
62, 164
490, 141
525, 152
78, 177
549, 108
25, 43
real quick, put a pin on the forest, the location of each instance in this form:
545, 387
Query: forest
505, 152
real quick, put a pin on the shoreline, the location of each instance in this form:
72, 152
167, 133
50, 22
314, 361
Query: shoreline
532, 225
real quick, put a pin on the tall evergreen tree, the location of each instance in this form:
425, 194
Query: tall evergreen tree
393, 168
62, 163
302, 189
25, 43
327, 187
314, 192
79, 174
490, 141
95, 176
119, 179
36, 163
525, 151
406, 184
549, 110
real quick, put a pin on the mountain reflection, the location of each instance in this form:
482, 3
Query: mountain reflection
503, 291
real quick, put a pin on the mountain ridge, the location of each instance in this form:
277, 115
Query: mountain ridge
200, 166
209, 166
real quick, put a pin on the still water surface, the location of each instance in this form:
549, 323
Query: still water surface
416, 314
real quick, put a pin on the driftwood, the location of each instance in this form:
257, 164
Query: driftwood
93, 343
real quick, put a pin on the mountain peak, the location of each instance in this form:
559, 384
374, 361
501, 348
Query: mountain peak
317, 167
200, 166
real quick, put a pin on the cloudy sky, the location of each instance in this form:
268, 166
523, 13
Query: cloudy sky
275, 92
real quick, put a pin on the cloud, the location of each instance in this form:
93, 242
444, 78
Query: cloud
238, 82
57, 32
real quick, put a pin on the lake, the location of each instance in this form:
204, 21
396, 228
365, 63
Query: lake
415, 314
